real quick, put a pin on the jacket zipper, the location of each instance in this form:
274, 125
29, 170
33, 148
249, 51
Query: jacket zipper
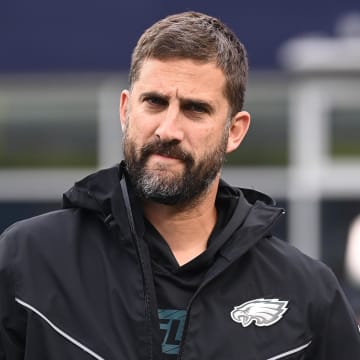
144, 265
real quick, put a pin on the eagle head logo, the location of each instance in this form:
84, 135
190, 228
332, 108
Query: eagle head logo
263, 312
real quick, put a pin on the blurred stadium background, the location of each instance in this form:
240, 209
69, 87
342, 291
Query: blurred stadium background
63, 65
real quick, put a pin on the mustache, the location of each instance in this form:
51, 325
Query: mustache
166, 148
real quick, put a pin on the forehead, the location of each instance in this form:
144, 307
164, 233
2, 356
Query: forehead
183, 77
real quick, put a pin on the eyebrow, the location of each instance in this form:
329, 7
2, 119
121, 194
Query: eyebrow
183, 101
153, 94
204, 104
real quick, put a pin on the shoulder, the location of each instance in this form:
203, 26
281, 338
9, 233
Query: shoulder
46, 223
48, 249
39, 234
303, 275
291, 260
308, 283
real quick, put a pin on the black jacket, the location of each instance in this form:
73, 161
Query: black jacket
77, 284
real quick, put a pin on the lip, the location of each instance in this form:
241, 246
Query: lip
164, 157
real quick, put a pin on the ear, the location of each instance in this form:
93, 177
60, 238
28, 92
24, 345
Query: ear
123, 107
239, 126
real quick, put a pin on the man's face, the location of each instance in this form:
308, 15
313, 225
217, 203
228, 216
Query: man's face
175, 129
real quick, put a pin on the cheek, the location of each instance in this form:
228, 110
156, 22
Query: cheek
139, 129
213, 137
201, 141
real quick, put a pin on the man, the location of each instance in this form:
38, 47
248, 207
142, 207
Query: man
158, 258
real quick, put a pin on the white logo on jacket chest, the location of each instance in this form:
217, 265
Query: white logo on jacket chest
263, 312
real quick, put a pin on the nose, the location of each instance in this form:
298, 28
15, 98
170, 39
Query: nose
170, 126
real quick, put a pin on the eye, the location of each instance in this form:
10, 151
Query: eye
155, 101
196, 108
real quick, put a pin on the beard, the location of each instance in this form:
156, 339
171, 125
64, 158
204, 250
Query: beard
164, 185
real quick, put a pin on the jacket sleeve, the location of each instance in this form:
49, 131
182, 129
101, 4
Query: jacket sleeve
12, 316
338, 334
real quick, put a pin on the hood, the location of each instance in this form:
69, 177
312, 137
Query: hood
252, 216
94, 192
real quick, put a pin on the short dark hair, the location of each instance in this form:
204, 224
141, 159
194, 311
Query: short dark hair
197, 36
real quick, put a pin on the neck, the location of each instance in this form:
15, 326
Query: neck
185, 229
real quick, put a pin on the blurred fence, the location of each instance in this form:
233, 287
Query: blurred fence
303, 147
